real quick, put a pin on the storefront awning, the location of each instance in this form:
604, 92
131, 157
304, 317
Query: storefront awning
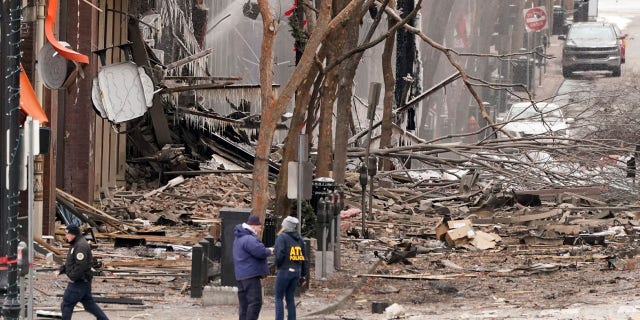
48, 30
29, 101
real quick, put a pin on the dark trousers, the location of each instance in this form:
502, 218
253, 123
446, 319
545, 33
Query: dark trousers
80, 292
286, 283
249, 298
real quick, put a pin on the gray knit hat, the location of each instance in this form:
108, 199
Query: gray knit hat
290, 224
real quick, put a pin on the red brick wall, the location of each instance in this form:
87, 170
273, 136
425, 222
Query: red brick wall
77, 124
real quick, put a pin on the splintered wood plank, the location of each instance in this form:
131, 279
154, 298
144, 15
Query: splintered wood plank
48, 246
539, 216
163, 239
179, 263
419, 276
93, 212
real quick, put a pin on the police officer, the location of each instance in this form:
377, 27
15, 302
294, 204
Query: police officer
292, 263
78, 268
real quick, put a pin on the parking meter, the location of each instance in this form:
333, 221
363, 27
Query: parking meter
322, 217
322, 212
363, 177
372, 166
338, 208
330, 218
340, 201
363, 209
330, 204
23, 258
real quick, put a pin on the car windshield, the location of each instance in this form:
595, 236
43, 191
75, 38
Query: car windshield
591, 32
528, 112
617, 30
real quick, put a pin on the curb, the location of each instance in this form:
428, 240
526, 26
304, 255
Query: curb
340, 300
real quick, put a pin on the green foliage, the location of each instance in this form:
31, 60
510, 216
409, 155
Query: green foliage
308, 218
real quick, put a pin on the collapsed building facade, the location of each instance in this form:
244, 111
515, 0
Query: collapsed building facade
201, 57
197, 103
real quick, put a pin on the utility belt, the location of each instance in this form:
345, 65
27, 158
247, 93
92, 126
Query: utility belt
292, 266
79, 281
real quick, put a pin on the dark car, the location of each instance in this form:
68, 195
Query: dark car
591, 46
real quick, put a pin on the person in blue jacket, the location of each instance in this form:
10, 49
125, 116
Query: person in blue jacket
250, 265
292, 262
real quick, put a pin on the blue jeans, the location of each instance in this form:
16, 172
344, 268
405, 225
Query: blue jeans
249, 298
80, 292
286, 283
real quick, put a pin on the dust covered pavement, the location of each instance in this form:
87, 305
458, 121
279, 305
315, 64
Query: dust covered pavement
512, 281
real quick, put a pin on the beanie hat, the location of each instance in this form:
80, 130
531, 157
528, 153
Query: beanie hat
72, 229
290, 223
254, 220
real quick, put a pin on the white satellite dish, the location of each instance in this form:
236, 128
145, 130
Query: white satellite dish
53, 68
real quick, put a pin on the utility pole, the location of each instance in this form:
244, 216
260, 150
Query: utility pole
10, 50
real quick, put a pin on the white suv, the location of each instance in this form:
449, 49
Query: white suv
591, 46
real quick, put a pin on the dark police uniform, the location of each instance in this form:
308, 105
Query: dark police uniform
292, 263
78, 269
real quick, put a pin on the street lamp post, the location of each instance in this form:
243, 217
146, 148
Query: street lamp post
10, 50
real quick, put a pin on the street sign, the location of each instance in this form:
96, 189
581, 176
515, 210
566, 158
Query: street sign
292, 183
535, 19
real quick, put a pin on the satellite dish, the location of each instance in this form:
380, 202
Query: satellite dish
53, 68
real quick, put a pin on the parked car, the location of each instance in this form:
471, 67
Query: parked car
542, 119
591, 46
622, 37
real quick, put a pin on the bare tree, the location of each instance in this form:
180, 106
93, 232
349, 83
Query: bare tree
273, 107
533, 162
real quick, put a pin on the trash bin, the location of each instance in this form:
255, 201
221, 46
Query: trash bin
523, 71
581, 11
321, 188
558, 21
230, 217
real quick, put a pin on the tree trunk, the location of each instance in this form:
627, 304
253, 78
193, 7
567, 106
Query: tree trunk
260, 195
343, 109
389, 81
272, 109
289, 152
334, 44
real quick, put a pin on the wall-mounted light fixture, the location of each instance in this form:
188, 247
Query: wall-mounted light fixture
250, 10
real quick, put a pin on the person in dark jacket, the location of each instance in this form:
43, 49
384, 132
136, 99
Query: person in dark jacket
78, 268
250, 265
292, 262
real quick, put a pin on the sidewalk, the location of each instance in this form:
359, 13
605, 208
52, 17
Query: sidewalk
551, 79
322, 299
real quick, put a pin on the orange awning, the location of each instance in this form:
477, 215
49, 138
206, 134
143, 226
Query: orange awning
29, 101
48, 30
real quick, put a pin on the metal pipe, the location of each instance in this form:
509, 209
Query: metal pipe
10, 46
38, 87
371, 198
331, 213
363, 184
29, 129
323, 216
302, 157
336, 247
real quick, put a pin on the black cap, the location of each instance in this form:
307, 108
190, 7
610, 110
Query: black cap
72, 229
254, 221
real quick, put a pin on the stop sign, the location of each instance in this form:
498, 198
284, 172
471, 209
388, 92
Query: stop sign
535, 19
